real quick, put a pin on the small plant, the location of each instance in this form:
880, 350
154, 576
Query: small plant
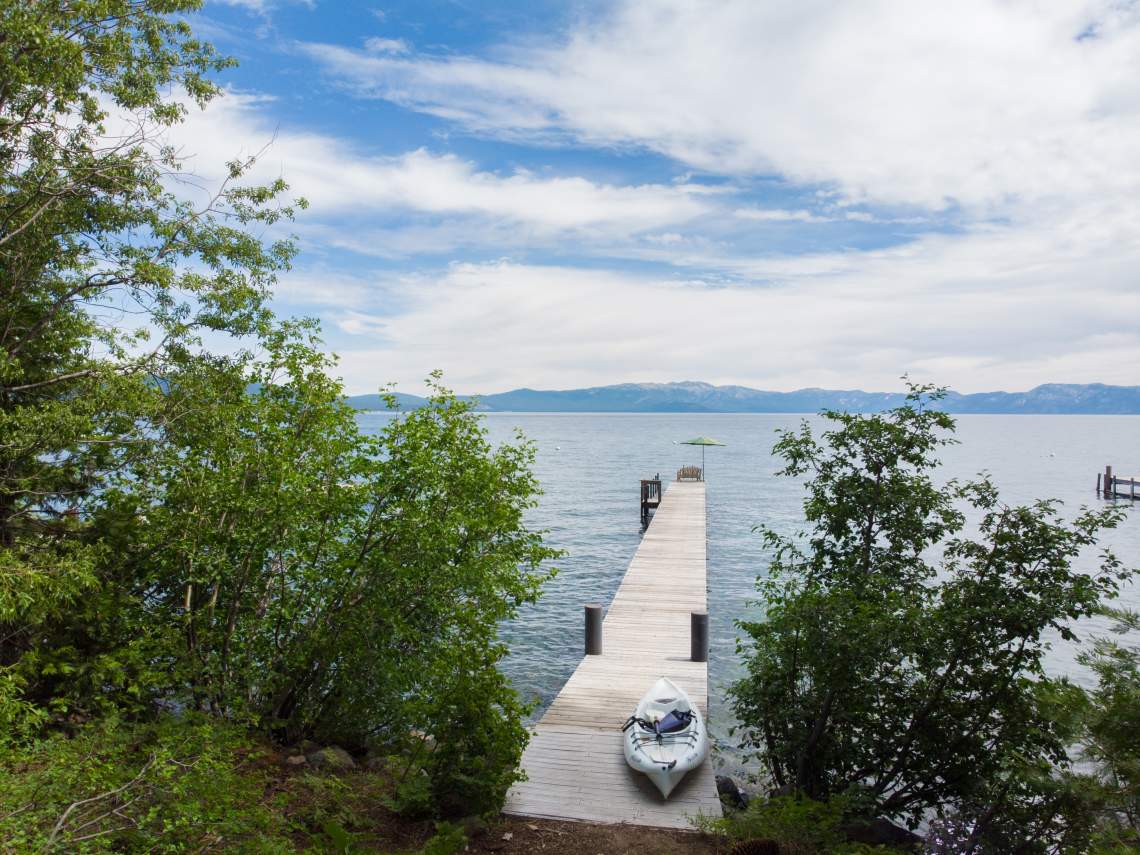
447, 840
412, 796
337, 839
327, 799
798, 824
176, 785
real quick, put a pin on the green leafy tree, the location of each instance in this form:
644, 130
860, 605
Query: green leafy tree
899, 660
107, 277
213, 533
323, 583
1107, 724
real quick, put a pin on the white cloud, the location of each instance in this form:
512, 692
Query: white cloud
995, 111
251, 5
380, 45
339, 178
992, 310
260, 7
359, 323
779, 215
322, 288
976, 102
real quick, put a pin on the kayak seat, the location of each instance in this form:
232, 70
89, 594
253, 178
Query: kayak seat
674, 721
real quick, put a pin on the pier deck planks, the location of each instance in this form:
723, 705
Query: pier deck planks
574, 763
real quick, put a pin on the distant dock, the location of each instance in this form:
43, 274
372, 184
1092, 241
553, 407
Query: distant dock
654, 628
1114, 487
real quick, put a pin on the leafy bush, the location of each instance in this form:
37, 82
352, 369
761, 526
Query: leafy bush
899, 659
1108, 725
412, 794
212, 532
175, 785
447, 840
90, 234
797, 823
338, 586
479, 746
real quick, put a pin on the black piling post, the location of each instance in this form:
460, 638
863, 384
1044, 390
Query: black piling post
593, 629
699, 636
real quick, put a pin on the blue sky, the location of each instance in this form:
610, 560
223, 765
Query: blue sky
774, 194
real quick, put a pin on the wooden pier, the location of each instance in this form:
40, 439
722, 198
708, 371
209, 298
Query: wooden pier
1114, 487
575, 766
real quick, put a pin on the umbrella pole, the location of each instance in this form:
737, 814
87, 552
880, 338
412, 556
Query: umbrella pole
702, 463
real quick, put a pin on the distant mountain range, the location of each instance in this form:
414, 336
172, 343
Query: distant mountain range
693, 397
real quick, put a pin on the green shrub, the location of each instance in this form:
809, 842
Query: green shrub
338, 840
317, 800
1108, 727
799, 824
412, 795
176, 785
900, 653
447, 840
480, 741
214, 531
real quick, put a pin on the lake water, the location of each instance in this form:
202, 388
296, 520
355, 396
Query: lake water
590, 467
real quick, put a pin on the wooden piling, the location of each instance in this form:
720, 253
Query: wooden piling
699, 636
1111, 486
593, 629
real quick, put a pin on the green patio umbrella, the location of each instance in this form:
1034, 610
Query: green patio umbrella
702, 441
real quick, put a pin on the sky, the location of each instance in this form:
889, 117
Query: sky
772, 194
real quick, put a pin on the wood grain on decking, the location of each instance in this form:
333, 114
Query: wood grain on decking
574, 763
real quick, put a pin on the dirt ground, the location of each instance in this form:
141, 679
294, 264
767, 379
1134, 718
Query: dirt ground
517, 835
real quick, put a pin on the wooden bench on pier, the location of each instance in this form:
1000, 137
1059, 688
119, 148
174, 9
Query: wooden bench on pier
690, 473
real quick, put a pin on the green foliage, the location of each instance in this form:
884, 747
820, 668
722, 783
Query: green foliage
899, 659
799, 824
323, 583
317, 802
447, 840
91, 238
338, 840
481, 735
176, 785
412, 794
1108, 724
181, 529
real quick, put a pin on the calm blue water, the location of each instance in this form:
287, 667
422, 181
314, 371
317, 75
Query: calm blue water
590, 466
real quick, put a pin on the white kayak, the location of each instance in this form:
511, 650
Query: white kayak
665, 737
